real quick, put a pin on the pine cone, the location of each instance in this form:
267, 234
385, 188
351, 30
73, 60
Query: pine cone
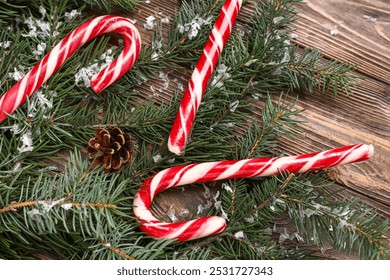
111, 148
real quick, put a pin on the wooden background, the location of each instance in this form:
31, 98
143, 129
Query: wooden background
362, 39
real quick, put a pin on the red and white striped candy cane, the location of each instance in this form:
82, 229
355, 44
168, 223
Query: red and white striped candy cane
212, 171
41, 72
200, 77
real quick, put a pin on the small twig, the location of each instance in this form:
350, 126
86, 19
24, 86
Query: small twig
95, 204
14, 206
117, 251
263, 133
278, 192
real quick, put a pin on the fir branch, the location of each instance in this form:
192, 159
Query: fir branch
14, 206
306, 73
276, 120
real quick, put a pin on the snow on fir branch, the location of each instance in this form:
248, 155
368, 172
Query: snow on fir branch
48, 192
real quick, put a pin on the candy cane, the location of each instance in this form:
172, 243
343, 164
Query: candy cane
211, 171
200, 77
41, 72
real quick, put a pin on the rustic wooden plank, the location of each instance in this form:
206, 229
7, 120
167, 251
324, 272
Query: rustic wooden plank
363, 32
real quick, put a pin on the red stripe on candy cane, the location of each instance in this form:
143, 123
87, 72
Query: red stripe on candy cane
41, 72
210, 171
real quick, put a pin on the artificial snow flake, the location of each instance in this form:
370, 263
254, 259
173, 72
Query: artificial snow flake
344, 224
194, 26
165, 20
39, 102
207, 192
370, 18
234, 105
202, 208
277, 19
171, 213
15, 129
27, 142
37, 28
250, 62
32, 213
227, 187
48, 205
239, 235
67, 206
5, 44
334, 30
165, 79
157, 158
41, 48
42, 11
72, 14
221, 74
150, 22
84, 74
19, 72
250, 219
284, 236
184, 213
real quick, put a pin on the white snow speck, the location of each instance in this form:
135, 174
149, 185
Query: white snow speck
157, 158
15, 129
184, 213
239, 234
284, 236
194, 26
277, 19
41, 48
32, 213
150, 22
234, 105
66, 206
334, 30
42, 11
72, 14
221, 74
172, 214
47, 205
165, 79
27, 142
226, 187
84, 74
370, 18
5, 44
165, 20
344, 224
250, 62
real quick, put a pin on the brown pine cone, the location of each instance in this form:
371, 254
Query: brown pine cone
111, 148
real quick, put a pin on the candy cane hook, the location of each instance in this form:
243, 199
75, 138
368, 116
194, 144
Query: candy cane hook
200, 77
211, 171
41, 72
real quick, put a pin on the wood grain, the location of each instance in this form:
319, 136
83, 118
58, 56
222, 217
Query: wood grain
362, 39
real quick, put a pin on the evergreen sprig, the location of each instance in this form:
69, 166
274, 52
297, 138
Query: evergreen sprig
52, 204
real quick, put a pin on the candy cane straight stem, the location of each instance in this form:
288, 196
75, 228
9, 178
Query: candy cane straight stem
41, 72
212, 171
200, 77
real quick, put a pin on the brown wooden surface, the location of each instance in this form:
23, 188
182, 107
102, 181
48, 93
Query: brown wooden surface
363, 39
